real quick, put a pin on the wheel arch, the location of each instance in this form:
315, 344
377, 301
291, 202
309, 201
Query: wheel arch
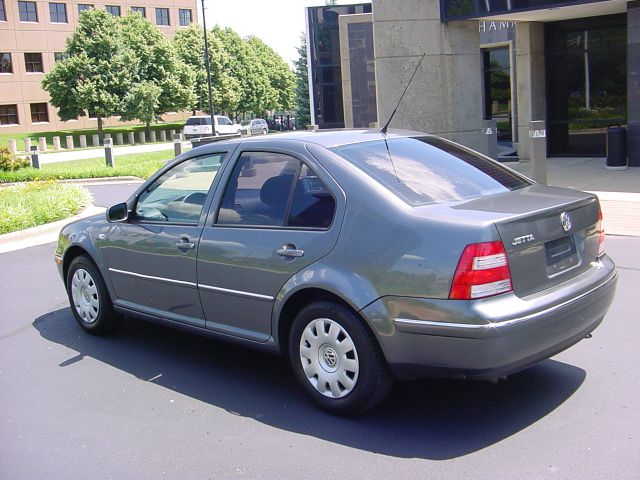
300, 299
73, 252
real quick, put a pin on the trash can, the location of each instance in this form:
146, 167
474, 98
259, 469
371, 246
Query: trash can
616, 148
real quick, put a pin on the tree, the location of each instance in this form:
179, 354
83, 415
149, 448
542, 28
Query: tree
97, 72
303, 110
280, 94
189, 46
244, 67
162, 81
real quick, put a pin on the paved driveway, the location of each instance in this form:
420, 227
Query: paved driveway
149, 402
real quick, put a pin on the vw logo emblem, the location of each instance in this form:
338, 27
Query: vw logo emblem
565, 219
330, 357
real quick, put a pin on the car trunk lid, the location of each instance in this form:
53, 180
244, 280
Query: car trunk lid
550, 235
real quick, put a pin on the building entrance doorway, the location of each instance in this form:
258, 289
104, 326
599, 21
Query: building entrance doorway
496, 66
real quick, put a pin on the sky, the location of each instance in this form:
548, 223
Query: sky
278, 23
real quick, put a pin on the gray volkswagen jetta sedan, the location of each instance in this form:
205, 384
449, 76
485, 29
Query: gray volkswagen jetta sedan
361, 256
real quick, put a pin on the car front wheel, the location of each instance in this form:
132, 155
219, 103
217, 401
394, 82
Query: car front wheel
337, 359
89, 298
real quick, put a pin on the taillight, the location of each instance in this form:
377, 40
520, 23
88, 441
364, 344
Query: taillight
600, 228
483, 271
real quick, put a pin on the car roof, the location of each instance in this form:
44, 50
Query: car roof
326, 138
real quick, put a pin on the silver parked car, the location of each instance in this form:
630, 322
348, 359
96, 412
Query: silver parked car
361, 256
256, 126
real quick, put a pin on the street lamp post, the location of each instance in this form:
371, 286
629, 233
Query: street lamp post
208, 67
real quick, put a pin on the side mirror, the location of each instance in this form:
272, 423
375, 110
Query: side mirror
118, 213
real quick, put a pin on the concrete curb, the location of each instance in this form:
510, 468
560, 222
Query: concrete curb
42, 234
86, 181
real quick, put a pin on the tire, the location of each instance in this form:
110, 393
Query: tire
337, 359
264, 131
89, 298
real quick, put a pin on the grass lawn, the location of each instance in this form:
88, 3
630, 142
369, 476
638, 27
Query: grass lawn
32, 204
4, 137
138, 165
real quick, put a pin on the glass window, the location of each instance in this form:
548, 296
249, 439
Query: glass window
312, 205
162, 16
33, 62
113, 10
58, 56
428, 170
185, 16
179, 194
141, 10
84, 6
3, 12
5, 63
9, 115
28, 11
259, 189
39, 112
586, 65
58, 12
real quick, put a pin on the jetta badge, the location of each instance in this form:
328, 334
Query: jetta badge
565, 219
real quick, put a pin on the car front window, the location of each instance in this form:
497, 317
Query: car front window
178, 195
428, 170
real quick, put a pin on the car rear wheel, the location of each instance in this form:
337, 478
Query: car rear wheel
89, 298
264, 131
337, 359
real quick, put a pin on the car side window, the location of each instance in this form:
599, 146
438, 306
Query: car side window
259, 189
178, 195
272, 189
312, 205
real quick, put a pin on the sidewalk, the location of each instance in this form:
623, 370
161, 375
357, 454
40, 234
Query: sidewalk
618, 190
99, 152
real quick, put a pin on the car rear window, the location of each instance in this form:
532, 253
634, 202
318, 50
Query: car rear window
193, 121
428, 170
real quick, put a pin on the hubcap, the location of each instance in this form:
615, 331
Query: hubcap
85, 296
329, 358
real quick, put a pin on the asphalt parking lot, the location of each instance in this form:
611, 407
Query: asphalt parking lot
149, 402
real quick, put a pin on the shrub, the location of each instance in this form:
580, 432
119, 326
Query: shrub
9, 162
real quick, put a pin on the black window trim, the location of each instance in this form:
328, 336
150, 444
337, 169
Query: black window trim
56, 5
27, 2
302, 161
206, 206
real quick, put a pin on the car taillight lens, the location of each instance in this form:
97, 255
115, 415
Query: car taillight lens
600, 236
483, 271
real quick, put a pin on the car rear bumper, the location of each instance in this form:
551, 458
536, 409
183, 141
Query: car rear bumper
492, 337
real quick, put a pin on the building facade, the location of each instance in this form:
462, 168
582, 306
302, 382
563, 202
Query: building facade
32, 39
573, 64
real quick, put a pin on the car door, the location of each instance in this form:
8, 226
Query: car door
275, 217
152, 256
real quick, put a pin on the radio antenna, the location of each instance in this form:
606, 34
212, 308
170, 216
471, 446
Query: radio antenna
386, 125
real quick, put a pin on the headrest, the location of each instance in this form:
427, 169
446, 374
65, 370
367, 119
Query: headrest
275, 191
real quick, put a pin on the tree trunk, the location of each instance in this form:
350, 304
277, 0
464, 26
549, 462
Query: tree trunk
100, 130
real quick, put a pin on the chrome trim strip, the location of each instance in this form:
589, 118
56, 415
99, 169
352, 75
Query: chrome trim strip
150, 277
406, 321
237, 292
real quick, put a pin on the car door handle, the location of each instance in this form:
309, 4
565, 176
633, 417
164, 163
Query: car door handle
185, 244
289, 250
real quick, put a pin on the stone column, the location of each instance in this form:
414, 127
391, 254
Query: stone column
141, 137
633, 83
69, 142
445, 97
13, 146
163, 135
95, 140
42, 144
83, 141
27, 144
152, 136
119, 139
56, 143
131, 138
530, 84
